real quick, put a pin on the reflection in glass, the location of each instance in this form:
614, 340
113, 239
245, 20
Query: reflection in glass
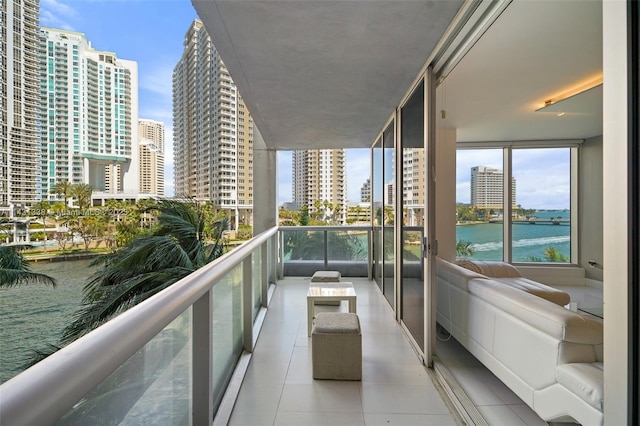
479, 199
227, 330
413, 204
152, 387
541, 228
256, 279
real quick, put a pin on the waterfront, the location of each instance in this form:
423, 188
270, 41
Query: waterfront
33, 315
529, 241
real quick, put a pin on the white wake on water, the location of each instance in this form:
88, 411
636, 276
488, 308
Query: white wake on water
527, 242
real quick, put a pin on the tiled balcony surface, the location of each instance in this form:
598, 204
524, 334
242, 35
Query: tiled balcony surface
279, 389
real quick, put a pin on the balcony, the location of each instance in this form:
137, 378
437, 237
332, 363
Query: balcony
229, 343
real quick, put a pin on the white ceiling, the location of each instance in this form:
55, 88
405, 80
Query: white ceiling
534, 51
324, 73
328, 74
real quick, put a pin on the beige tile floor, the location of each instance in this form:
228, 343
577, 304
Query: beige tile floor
278, 389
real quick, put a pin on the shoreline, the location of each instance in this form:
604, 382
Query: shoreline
35, 258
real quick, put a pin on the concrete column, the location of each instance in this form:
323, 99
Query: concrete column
615, 211
265, 185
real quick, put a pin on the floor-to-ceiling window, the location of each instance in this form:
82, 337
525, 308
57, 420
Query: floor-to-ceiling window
541, 216
479, 203
541, 219
412, 198
376, 209
387, 212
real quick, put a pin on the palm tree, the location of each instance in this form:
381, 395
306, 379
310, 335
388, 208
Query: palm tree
82, 192
15, 269
41, 211
552, 254
147, 265
463, 248
63, 188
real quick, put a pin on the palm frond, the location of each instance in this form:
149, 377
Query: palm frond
118, 298
38, 355
14, 277
15, 270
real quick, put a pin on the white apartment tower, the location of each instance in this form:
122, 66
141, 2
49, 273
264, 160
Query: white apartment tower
19, 97
89, 115
319, 176
486, 188
413, 186
212, 130
151, 156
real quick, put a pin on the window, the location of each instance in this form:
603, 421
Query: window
540, 203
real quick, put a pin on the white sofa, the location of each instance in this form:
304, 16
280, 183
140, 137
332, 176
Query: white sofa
549, 356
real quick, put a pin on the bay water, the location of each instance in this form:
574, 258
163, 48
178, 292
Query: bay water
529, 240
33, 315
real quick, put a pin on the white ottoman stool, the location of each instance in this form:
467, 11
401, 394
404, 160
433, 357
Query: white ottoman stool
327, 277
336, 346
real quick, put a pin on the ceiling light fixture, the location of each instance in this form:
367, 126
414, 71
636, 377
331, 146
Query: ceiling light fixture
577, 90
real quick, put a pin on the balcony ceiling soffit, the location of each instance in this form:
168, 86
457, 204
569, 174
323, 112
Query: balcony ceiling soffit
324, 74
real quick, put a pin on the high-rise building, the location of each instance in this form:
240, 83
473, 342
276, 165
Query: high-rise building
212, 130
365, 191
19, 97
413, 186
151, 155
319, 176
486, 188
89, 114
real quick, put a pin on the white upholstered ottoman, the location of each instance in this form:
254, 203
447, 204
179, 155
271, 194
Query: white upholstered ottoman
336, 346
327, 277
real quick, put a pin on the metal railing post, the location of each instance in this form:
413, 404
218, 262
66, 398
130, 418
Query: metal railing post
369, 255
202, 358
326, 249
264, 273
280, 271
247, 303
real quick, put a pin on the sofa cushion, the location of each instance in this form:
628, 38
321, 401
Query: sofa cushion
551, 294
493, 269
558, 322
454, 274
585, 380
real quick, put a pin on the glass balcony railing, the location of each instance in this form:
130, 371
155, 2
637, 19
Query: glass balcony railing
340, 248
170, 359
163, 361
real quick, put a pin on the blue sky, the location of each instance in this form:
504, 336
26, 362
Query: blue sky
151, 32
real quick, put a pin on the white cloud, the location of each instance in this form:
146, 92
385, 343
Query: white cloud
56, 14
158, 79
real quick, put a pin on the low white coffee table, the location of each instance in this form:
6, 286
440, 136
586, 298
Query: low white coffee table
328, 292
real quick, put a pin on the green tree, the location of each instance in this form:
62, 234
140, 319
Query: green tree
147, 265
15, 269
463, 248
304, 215
41, 211
63, 188
551, 254
317, 209
82, 193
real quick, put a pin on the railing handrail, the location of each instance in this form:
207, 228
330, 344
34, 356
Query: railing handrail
326, 228
50, 388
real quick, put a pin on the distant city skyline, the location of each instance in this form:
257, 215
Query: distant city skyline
151, 32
